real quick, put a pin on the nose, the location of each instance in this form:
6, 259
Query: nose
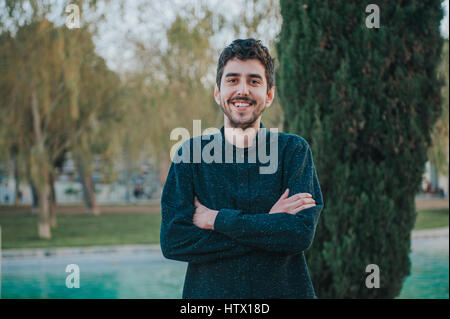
243, 89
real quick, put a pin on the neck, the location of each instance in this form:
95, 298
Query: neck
241, 137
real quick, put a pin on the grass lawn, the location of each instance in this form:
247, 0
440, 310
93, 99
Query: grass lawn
431, 218
20, 230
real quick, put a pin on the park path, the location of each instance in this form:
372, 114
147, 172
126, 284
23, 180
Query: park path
153, 207
431, 203
430, 233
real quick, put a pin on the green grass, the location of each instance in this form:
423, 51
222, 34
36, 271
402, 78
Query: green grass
431, 218
20, 230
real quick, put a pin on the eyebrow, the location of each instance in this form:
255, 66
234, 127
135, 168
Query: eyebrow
252, 75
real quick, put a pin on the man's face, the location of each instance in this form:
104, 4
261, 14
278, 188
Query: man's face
243, 94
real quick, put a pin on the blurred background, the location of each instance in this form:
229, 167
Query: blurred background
86, 113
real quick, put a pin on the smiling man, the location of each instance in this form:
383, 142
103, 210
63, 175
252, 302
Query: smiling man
243, 232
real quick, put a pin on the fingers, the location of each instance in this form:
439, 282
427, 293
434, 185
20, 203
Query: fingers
298, 196
298, 209
285, 194
295, 197
196, 202
301, 202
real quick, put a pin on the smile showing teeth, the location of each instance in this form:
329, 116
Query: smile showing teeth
241, 104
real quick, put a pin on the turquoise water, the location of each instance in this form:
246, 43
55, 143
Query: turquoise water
429, 270
142, 272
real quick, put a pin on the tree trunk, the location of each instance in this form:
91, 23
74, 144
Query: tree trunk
16, 179
434, 176
88, 186
52, 201
40, 170
44, 212
34, 192
127, 176
35, 198
164, 164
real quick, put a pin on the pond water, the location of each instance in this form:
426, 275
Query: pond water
429, 276
142, 272
137, 272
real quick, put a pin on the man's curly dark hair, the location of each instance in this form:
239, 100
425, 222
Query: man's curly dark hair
245, 49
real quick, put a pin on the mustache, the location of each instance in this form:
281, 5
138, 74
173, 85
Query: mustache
242, 99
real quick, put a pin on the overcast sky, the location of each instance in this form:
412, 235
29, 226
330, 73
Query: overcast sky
147, 20
444, 22
158, 15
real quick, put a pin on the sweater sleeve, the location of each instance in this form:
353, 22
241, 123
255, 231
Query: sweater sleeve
280, 232
180, 238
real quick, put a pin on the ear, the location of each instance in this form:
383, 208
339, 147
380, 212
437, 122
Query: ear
270, 96
216, 93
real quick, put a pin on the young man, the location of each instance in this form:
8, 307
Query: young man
242, 231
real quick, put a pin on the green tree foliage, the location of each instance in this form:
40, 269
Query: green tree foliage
172, 85
55, 92
366, 100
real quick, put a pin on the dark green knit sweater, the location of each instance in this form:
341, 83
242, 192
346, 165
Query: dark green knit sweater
250, 253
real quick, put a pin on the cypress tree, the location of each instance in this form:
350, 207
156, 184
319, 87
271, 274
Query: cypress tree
366, 100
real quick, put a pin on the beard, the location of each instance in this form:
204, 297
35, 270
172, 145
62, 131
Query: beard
242, 121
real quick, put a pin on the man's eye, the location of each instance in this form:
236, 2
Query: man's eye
255, 82
232, 80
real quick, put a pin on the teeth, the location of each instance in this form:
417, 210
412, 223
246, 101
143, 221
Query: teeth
241, 104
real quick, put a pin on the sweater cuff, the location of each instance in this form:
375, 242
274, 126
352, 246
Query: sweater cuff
225, 220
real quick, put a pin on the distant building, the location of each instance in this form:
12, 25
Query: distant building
433, 183
142, 187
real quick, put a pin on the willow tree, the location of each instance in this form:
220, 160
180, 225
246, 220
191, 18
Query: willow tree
51, 98
172, 85
439, 150
366, 99
100, 104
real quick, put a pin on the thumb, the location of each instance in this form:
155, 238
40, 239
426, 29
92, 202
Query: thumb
285, 194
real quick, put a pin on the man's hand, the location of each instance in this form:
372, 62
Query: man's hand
203, 216
294, 204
